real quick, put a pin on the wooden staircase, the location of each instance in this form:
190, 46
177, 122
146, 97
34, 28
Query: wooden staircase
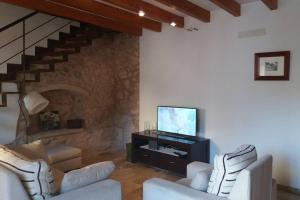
45, 59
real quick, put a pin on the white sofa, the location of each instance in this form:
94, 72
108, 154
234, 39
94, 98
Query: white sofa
253, 183
11, 188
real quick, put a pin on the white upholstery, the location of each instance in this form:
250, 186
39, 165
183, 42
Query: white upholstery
103, 190
195, 167
36, 175
11, 188
64, 157
155, 189
185, 181
253, 183
201, 180
87, 175
227, 168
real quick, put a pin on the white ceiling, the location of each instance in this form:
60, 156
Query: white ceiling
203, 3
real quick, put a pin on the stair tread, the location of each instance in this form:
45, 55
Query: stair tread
57, 53
68, 36
54, 44
46, 61
10, 93
35, 71
68, 43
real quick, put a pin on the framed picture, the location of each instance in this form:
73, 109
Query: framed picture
272, 66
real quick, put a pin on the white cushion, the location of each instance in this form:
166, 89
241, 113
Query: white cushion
201, 180
34, 150
102, 190
195, 167
227, 167
86, 175
36, 176
185, 182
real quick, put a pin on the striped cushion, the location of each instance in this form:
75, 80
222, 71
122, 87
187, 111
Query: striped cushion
227, 167
36, 176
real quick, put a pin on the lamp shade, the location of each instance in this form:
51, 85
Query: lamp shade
35, 103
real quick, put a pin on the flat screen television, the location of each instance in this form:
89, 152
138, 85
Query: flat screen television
177, 120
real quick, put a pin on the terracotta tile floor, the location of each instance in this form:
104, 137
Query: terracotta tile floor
132, 175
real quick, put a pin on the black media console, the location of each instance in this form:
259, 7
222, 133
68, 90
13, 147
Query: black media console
168, 152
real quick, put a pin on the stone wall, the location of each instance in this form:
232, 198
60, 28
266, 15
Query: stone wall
108, 73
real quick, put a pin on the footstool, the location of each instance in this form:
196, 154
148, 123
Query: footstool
64, 157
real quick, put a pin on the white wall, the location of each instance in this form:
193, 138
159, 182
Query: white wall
213, 70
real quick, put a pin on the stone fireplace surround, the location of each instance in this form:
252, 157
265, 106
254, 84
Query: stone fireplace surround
99, 85
66, 99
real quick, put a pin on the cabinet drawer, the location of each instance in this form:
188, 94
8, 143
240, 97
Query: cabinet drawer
172, 163
145, 156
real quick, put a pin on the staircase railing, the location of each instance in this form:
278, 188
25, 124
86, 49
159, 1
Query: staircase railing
24, 34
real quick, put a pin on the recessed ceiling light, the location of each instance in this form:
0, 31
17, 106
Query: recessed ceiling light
141, 13
173, 24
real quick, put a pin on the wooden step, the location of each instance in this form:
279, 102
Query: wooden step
54, 44
42, 51
12, 68
30, 76
37, 60
10, 76
71, 37
84, 31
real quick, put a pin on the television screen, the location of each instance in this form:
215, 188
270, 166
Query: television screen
177, 120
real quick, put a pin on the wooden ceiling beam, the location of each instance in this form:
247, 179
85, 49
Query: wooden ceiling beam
151, 11
113, 13
272, 4
188, 8
67, 12
230, 6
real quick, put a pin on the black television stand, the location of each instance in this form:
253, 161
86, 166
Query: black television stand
170, 153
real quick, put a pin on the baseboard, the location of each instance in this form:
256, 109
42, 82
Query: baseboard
289, 189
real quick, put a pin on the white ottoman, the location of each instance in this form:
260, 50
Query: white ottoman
64, 157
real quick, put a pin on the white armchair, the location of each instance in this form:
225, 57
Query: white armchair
11, 188
253, 183
88, 183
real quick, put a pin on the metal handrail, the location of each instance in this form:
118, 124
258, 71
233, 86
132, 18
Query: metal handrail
17, 21
25, 48
27, 32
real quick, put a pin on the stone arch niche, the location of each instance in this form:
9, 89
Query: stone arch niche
69, 101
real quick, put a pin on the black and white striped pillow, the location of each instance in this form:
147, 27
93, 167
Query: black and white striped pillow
36, 176
227, 167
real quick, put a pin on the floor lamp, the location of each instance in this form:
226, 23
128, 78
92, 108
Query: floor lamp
33, 102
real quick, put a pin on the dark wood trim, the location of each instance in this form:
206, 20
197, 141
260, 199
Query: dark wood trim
196, 150
285, 77
75, 14
230, 6
113, 13
188, 8
289, 189
272, 4
152, 12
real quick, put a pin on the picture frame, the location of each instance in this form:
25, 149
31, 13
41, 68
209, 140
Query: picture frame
272, 66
